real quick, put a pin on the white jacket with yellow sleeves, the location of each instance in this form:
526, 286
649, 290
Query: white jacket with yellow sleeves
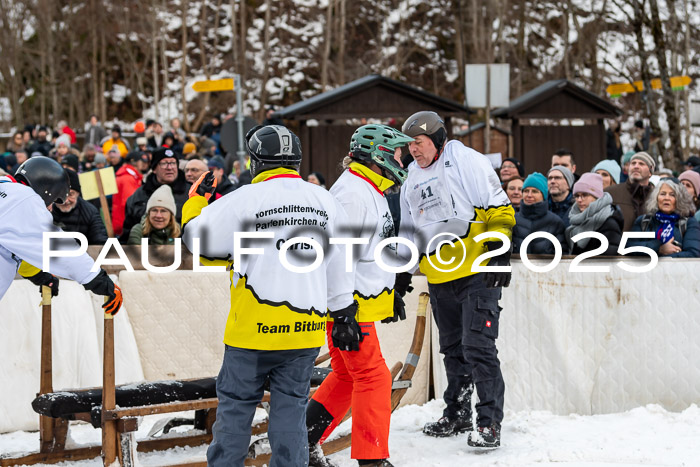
454, 199
272, 307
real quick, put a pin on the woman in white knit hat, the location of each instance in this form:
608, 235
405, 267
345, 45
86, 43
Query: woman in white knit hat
158, 224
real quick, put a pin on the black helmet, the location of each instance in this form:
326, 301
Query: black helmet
272, 146
46, 177
426, 123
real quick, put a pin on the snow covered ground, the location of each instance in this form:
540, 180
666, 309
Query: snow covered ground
648, 436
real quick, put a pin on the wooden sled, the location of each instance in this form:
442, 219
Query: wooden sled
119, 424
398, 390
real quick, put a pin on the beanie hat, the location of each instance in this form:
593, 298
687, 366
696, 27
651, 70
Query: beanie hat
133, 156
162, 198
62, 140
538, 181
694, 178
626, 158
73, 180
646, 158
590, 183
565, 172
692, 161
72, 161
141, 140
518, 165
611, 167
188, 148
100, 158
160, 154
216, 162
117, 129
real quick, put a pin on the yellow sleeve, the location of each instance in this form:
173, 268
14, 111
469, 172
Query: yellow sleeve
498, 219
27, 270
192, 208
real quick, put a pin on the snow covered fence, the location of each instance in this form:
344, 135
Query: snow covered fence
596, 343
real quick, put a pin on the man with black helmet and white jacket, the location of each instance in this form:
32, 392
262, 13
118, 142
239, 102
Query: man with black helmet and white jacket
25, 200
452, 195
277, 319
361, 378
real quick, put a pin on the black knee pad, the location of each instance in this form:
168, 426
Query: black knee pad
317, 420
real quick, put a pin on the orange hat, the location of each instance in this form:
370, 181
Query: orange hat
189, 148
139, 127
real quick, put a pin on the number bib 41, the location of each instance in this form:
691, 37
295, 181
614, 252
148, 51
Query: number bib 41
429, 197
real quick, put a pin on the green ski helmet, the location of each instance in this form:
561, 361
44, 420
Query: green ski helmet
377, 144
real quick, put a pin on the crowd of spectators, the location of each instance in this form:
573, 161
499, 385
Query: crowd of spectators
156, 167
153, 169
630, 196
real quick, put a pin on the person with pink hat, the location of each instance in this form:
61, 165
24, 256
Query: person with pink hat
593, 211
690, 179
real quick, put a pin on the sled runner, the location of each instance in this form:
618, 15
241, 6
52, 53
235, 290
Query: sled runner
116, 409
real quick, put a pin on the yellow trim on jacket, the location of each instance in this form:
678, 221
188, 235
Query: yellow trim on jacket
380, 182
270, 326
261, 177
27, 270
494, 219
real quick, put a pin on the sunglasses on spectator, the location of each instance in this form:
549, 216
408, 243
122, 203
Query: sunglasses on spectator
508, 166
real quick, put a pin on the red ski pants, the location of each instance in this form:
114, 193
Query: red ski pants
363, 381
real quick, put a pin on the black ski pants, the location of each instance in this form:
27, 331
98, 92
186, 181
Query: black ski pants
467, 315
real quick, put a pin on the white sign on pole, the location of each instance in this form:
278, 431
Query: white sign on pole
475, 77
500, 84
695, 113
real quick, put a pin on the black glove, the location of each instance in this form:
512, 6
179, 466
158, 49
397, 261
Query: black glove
399, 310
402, 284
204, 186
47, 279
346, 334
497, 279
103, 285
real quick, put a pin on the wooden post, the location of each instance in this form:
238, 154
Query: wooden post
46, 434
109, 426
103, 203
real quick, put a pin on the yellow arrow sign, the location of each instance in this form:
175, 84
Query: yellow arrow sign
214, 85
620, 88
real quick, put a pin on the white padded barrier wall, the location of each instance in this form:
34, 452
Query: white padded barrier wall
77, 319
591, 343
173, 330
179, 319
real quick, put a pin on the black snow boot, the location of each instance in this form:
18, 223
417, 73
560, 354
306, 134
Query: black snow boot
449, 426
374, 463
486, 437
317, 458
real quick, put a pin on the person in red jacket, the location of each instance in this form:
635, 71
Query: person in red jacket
64, 129
128, 180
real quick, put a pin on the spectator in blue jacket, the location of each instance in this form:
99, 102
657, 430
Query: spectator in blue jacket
534, 216
669, 214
